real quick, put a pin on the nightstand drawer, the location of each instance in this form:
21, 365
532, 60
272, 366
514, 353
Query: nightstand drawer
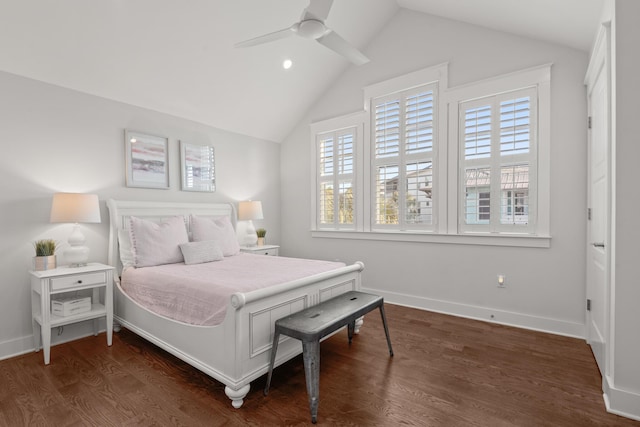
261, 250
272, 252
65, 282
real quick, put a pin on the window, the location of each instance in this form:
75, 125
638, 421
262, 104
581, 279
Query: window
497, 146
402, 155
429, 163
335, 179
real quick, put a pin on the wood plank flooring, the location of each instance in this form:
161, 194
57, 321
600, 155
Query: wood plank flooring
447, 371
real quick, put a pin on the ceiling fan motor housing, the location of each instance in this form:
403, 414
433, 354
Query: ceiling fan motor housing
310, 29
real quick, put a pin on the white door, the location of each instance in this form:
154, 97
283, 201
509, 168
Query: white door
598, 230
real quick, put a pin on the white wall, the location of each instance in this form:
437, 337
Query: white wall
54, 139
545, 287
622, 384
627, 238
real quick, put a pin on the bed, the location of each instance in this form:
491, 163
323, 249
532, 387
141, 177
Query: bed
235, 351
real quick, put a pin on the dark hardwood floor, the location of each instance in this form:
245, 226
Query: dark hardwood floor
447, 371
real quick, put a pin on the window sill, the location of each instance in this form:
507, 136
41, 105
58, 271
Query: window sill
512, 240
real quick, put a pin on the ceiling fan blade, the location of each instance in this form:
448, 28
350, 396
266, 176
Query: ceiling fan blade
317, 9
339, 45
276, 35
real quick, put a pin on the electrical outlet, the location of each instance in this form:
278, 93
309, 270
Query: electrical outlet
501, 281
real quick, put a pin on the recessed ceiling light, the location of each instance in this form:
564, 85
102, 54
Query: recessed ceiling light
287, 64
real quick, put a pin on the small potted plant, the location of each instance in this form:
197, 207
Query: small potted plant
45, 258
261, 232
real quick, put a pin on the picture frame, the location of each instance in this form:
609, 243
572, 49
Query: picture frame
147, 160
198, 167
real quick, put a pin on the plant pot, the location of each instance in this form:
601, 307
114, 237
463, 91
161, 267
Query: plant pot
41, 263
260, 241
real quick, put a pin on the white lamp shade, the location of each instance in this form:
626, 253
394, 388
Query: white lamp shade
75, 207
250, 210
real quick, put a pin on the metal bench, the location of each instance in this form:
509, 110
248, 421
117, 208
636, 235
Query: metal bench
314, 323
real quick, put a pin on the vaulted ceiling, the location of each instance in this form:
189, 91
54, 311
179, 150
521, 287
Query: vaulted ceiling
179, 57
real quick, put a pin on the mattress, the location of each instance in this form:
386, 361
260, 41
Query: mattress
199, 294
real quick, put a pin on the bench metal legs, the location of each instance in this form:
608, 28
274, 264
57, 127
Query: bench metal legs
350, 328
274, 349
311, 357
386, 329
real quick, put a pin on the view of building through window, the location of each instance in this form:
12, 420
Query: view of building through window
497, 141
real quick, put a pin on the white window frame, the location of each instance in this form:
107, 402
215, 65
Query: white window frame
438, 77
495, 162
538, 79
445, 161
336, 126
403, 159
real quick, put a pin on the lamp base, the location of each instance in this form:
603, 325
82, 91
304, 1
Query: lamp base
250, 238
76, 256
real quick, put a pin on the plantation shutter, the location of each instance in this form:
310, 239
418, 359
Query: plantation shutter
403, 145
336, 179
497, 146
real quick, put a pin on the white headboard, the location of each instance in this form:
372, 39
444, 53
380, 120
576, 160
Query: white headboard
121, 210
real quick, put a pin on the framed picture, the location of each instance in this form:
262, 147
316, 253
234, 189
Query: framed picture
198, 167
147, 160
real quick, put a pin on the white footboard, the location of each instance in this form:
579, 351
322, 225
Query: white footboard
237, 351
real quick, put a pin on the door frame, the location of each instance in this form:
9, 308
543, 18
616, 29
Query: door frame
600, 62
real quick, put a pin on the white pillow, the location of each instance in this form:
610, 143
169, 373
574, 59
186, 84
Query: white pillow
124, 243
199, 252
218, 229
157, 243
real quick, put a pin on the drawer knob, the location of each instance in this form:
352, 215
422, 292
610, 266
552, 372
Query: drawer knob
79, 281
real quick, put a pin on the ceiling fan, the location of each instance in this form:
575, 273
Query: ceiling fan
311, 26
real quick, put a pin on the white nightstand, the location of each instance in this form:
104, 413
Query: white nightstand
62, 280
261, 250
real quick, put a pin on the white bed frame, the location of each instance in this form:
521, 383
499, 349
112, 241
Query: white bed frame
237, 351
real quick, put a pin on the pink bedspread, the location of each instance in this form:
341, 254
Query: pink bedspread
199, 294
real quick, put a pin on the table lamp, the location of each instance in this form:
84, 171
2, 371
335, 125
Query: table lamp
248, 211
75, 208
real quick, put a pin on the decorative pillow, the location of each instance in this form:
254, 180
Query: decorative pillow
199, 252
124, 243
157, 243
218, 229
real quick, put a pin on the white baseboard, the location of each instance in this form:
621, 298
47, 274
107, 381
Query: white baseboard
620, 402
542, 324
23, 345
16, 347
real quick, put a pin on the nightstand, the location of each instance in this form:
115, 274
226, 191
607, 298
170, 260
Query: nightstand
70, 280
261, 250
